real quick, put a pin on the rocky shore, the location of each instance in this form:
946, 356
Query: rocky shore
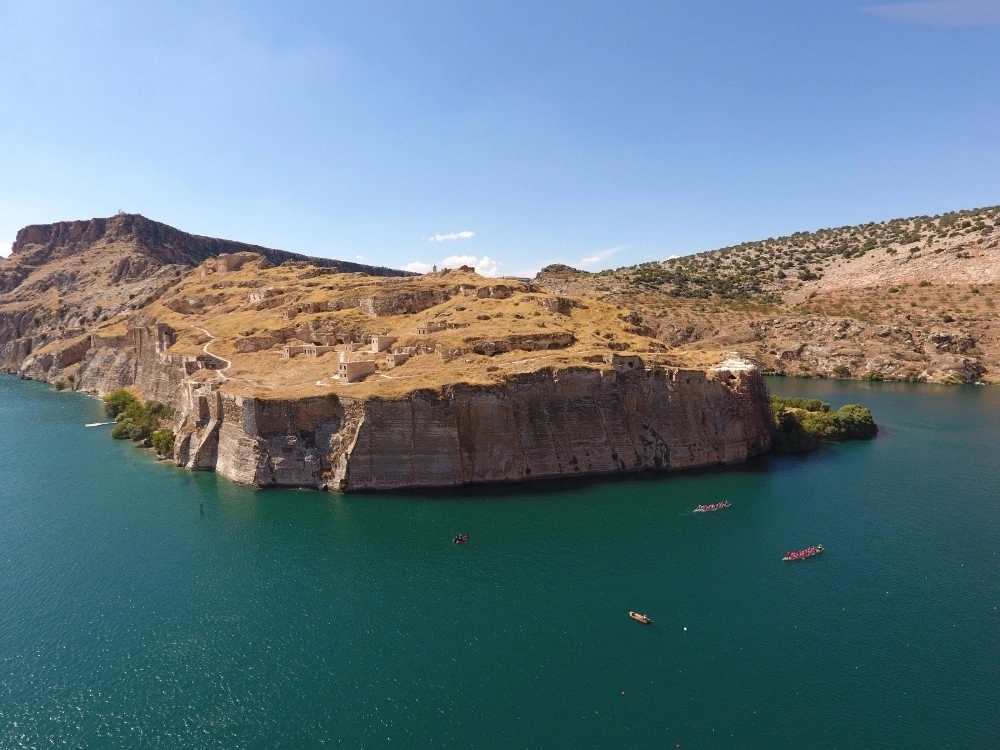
280, 372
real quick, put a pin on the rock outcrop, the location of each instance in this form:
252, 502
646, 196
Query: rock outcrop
463, 381
161, 243
545, 424
74, 273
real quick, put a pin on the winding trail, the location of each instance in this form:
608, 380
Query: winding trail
222, 372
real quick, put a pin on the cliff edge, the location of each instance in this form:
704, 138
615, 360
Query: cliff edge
286, 371
550, 423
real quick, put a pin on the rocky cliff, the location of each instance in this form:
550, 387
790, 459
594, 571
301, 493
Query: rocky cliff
62, 278
282, 371
161, 243
549, 423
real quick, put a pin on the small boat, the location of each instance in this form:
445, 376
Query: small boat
712, 506
639, 617
461, 539
802, 554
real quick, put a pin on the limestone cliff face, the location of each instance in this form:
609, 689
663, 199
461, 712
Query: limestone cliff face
560, 423
294, 443
546, 424
138, 359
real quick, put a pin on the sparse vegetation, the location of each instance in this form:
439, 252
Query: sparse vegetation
162, 442
135, 420
802, 424
117, 401
761, 270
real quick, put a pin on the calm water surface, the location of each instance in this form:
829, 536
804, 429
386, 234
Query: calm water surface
144, 606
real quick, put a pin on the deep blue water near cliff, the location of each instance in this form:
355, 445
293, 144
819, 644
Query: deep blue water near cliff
143, 606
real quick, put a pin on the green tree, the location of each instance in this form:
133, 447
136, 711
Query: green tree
117, 401
800, 424
134, 420
163, 442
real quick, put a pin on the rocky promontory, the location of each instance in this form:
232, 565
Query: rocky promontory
543, 424
281, 370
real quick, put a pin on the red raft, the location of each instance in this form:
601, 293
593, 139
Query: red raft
713, 506
802, 554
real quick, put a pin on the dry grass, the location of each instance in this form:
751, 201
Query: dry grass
310, 305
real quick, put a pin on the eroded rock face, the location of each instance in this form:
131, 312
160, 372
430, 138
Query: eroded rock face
546, 424
396, 303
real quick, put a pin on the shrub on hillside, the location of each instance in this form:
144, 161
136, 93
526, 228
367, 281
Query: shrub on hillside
163, 442
801, 424
135, 420
780, 403
117, 401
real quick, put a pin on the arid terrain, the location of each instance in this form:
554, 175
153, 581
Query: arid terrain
277, 369
245, 310
274, 370
910, 299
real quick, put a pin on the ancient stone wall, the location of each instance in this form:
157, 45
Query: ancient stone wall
547, 424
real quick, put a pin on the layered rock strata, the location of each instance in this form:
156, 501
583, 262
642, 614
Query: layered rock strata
549, 423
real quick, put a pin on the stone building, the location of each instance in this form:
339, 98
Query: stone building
382, 342
351, 372
431, 326
625, 362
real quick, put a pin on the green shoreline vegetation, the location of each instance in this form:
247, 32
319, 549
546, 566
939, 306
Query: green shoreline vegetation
802, 424
139, 422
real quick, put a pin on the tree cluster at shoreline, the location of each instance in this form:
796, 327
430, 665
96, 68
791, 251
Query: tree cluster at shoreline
138, 421
801, 424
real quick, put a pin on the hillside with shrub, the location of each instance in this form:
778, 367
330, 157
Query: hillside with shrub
907, 299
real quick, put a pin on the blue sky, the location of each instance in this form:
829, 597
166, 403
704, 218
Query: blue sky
506, 134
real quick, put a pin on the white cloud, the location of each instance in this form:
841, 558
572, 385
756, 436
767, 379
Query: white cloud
601, 255
941, 12
484, 266
360, 257
417, 267
466, 235
7, 236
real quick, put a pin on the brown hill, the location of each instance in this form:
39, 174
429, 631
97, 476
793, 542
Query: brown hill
301, 375
70, 276
68, 287
909, 299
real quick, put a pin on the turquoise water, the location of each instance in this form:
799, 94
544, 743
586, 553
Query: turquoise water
144, 606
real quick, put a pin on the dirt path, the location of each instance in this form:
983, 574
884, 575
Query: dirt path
222, 372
